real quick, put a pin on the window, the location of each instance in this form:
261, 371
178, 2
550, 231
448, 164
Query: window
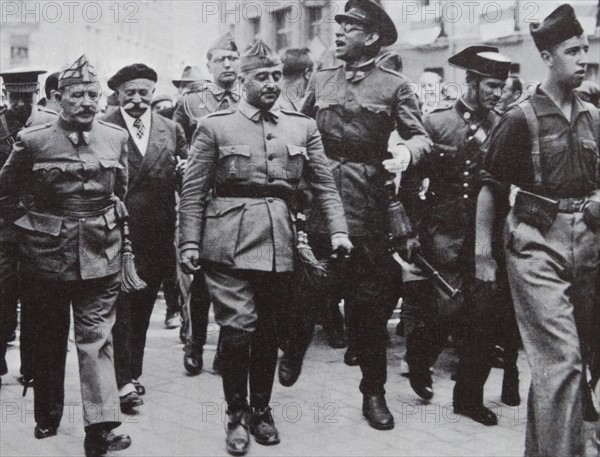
315, 16
283, 29
19, 50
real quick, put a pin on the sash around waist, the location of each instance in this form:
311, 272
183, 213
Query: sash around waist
78, 207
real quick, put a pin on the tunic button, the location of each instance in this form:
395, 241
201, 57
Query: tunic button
270, 200
473, 127
468, 162
465, 185
271, 179
442, 154
269, 136
467, 115
466, 173
465, 196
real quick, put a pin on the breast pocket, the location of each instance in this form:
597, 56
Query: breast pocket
107, 173
378, 116
234, 162
50, 172
297, 155
591, 155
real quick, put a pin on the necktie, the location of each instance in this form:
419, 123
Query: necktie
268, 116
139, 125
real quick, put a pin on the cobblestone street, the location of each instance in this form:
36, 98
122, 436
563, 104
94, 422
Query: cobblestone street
320, 415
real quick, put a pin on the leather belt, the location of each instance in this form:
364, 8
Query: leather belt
570, 205
254, 192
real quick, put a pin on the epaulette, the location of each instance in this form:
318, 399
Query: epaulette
47, 111
221, 113
336, 67
382, 66
35, 128
114, 126
294, 113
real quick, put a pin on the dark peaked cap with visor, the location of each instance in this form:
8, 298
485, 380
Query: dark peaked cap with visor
373, 16
560, 25
21, 80
482, 60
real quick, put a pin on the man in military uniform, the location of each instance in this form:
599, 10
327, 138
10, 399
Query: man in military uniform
545, 160
252, 161
200, 99
74, 172
357, 106
21, 88
446, 235
206, 97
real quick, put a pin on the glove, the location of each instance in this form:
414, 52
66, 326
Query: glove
401, 159
341, 244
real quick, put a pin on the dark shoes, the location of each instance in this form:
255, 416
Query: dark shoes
237, 439
262, 426
42, 432
192, 361
130, 402
172, 320
289, 369
376, 412
478, 413
510, 387
421, 383
140, 389
350, 358
97, 444
336, 338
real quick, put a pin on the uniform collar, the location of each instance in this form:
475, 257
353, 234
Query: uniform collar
359, 72
74, 132
253, 113
545, 105
468, 113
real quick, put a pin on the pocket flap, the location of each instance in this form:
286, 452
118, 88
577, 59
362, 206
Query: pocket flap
294, 150
110, 219
107, 163
377, 109
62, 166
39, 222
235, 149
322, 104
219, 207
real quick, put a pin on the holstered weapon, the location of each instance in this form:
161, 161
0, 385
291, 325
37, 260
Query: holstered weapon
535, 210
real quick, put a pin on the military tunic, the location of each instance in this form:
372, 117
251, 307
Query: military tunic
70, 243
553, 275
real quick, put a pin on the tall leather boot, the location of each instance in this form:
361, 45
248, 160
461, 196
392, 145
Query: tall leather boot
510, 386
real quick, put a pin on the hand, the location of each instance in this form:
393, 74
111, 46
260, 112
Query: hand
409, 249
401, 159
340, 243
188, 261
181, 166
485, 267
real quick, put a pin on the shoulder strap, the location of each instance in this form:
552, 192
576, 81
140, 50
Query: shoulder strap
595, 113
534, 129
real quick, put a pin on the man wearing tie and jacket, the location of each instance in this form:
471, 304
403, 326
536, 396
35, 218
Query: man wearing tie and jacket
156, 147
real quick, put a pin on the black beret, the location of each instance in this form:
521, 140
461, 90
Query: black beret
559, 26
131, 72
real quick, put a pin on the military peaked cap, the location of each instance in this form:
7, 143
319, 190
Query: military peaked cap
483, 60
80, 72
21, 80
131, 72
559, 26
259, 55
372, 15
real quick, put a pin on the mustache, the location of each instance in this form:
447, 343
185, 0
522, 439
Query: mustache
88, 110
132, 105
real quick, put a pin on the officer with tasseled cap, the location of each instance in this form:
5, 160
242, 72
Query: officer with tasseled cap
357, 105
235, 218
74, 172
446, 235
21, 87
543, 159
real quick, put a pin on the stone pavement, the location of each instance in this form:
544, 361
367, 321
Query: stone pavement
319, 416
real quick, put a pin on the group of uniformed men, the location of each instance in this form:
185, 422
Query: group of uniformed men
512, 214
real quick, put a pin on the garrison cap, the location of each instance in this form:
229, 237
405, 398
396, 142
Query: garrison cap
131, 72
483, 60
560, 25
21, 80
189, 75
226, 43
259, 55
372, 15
80, 72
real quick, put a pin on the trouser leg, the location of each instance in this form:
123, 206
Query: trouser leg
9, 290
122, 340
28, 334
199, 313
169, 284
52, 301
94, 316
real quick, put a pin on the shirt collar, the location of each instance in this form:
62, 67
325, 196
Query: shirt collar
146, 118
219, 92
253, 113
546, 105
73, 132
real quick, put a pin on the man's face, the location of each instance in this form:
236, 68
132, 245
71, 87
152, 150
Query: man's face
80, 102
350, 40
21, 104
568, 61
135, 96
490, 91
163, 104
261, 87
224, 66
508, 97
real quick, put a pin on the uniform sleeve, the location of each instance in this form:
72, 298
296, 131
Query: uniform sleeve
321, 183
197, 181
308, 106
409, 124
181, 117
182, 148
122, 178
14, 177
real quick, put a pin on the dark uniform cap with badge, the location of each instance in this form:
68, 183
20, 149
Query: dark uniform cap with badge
80, 72
482, 60
372, 15
21, 80
131, 72
259, 55
225, 43
559, 26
